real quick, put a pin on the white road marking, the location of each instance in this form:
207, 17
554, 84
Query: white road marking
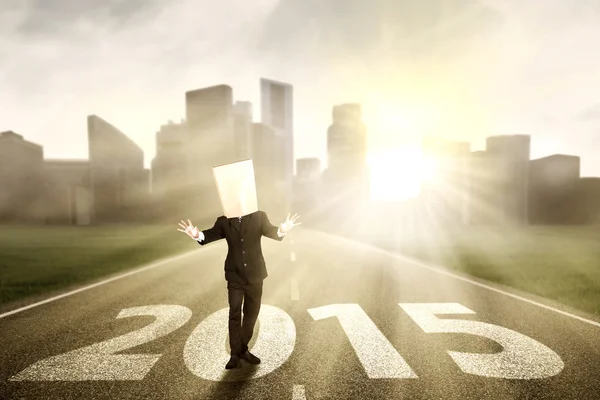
205, 353
98, 362
298, 393
295, 291
114, 278
293, 256
443, 271
521, 357
378, 357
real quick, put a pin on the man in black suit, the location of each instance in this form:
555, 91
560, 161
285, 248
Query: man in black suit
245, 270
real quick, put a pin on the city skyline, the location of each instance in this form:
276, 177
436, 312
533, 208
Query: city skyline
491, 68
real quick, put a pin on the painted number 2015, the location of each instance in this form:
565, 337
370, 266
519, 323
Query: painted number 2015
205, 355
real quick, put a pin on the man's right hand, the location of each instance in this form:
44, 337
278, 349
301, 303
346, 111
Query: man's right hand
189, 229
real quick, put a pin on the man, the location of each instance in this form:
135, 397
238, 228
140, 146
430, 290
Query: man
245, 270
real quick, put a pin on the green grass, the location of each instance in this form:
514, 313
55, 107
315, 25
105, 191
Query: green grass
558, 263
39, 259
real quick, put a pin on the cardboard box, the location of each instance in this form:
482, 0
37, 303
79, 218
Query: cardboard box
237, 188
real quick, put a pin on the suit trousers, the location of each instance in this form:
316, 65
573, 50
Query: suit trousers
240, 332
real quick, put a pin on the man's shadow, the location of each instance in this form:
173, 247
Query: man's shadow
235, 380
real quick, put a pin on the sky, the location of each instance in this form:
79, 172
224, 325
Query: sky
458, 69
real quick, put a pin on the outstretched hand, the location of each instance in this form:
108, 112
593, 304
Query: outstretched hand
286, 226
190, 229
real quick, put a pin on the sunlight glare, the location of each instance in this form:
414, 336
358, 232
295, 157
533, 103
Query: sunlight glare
396, 175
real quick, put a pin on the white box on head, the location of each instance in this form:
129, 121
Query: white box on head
237, 188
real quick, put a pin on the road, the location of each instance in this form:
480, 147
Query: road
339, 320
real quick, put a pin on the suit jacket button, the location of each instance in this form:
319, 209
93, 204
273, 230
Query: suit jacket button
242, 240
244, 264
243, 252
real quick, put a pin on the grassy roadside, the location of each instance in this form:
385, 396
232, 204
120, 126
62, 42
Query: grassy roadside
557, 263
39, 259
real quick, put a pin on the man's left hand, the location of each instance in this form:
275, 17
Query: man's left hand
286, 226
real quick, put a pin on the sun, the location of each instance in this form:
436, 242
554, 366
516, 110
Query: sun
397, 174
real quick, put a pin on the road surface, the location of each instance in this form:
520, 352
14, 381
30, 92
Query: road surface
339, 320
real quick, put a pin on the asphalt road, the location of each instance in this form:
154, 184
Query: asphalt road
339, 320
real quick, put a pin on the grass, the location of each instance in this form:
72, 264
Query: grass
558, 263
39, 259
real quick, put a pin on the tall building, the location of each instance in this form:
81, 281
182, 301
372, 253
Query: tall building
171, 168
588, 200
308, 169
306, 185
116, 172
242, 114
511, 154
446, 194
210, 126
483, 169
347, 151
209, 110
22, 197
69, 199
553, 182
346, 140
264, 139
277, 112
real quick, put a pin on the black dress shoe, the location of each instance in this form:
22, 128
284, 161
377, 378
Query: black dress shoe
234, 362
251, 358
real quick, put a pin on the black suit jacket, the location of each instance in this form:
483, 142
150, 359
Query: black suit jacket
244, 262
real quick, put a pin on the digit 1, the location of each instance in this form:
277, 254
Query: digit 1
376, 354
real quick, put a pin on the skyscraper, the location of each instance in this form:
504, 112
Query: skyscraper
306, 185
347, 150
117, 171
346, 140
209, 110
68, 189
511, 176
21, 178
277, 112
242, 114
308, 168
210, 126
170, 166
264, 139
553, 183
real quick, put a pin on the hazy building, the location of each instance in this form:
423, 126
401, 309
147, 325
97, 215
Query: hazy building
553, 182
212, 142
21, 179
306, 184
587, 201
171, 167
242, 114
445, 195
346, 140
264, 141
484, 170
118, 185
347, 152
210, 126
511, 153
68, 186
277, 112
344, 185
308, 169
208, 109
